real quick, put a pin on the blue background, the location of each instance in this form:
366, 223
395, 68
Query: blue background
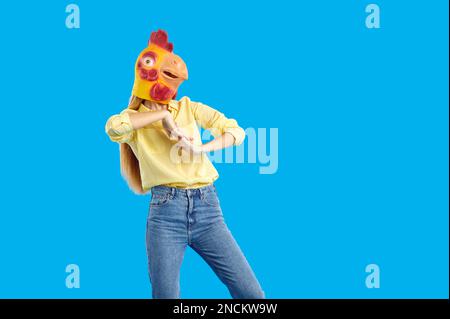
363, 144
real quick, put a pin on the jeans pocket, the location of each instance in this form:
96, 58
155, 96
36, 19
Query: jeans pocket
210, 198
159, 200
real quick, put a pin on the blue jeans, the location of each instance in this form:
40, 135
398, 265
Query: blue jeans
193, 217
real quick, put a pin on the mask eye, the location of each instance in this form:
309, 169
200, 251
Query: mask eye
149, 59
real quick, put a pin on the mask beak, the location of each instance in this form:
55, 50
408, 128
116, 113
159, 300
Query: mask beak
173, 68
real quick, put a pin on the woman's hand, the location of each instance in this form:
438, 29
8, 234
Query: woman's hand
173, 131
190, 147
223, 141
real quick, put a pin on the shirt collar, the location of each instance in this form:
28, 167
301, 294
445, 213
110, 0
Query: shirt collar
172, 105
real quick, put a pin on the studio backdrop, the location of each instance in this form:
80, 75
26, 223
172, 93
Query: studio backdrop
340, 189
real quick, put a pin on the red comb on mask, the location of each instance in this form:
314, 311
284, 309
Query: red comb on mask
160, 38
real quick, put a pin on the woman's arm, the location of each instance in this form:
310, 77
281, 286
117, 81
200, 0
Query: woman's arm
226, 131
121, 127
225, 140
141, 119
217, 123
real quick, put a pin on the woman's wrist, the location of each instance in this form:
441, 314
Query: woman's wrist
205, 148
166, 114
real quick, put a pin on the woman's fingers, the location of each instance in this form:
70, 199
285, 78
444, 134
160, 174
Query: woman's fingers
182, 134
187, 145
173, 131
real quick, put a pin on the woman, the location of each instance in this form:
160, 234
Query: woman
161, 151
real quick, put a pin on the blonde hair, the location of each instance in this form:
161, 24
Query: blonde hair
129, 164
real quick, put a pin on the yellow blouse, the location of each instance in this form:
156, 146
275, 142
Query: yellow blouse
160, 162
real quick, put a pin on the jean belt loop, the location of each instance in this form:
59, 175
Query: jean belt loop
172, 192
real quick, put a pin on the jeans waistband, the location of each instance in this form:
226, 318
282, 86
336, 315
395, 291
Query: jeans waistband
188, 191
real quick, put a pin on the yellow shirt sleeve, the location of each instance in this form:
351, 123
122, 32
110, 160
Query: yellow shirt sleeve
119, 128
217, 122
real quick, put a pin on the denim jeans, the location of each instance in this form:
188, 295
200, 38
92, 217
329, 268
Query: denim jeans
193, 217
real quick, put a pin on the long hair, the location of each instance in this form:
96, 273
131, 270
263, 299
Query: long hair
129, 164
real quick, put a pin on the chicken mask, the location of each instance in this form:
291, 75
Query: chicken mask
158, 72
